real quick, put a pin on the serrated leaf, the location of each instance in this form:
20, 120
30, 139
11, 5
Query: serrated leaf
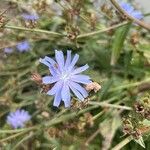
117, 45
140, 141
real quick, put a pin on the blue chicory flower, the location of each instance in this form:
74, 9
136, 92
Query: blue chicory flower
65, 77
30, 17
18, 118
8, 50
131, 11
23, 46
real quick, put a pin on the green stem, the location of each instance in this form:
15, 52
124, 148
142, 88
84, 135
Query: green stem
12, 136
98, 115
122, 143
100, 31
23, 140
129, 85
104, 104
33, 30
18, 130
68, 116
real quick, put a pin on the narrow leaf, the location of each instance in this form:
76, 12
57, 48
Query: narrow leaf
118, 42
140, 141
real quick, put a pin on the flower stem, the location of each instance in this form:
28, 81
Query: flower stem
122, 143
33, 30
140, 23
129, 85
104, 104
100, 31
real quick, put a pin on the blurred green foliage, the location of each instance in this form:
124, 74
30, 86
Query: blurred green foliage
119, 61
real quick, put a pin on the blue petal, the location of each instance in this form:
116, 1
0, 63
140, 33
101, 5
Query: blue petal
80, 69
47, 61
137, 15
127, 7
43, 61
57, 99
23, 46
53, 71
50, 79
50, 60
57, 87
68, 59
79, 88
79, 96
65, 94
81, 79
8, 50
60, 59
74, 61
32, 17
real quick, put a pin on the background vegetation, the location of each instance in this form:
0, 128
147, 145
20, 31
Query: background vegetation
118, 53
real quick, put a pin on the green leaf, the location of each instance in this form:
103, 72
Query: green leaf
140, 141
117, 45
146, 122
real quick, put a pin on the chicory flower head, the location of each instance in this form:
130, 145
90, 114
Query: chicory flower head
23, 46
8, 50
30, 17
65, 77
18, 118
131, 11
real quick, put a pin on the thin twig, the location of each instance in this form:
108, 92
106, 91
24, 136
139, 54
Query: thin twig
122, 11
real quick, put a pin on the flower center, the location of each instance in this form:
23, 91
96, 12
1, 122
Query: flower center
65, 76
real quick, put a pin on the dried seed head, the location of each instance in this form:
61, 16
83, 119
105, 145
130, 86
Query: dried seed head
30, 24
93, 20
93, 86
136, 133
139, 108
147, 114
54, 132
36, 78
89, 119
127, 126
76, 105
45, 114
134, 38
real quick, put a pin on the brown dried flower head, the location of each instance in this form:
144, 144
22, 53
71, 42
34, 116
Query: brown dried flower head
36, 78
93, 86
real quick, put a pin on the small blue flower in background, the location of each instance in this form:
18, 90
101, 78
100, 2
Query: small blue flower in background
30, 17
23, 46
18, 118
8, 50
131, 11
65, 77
